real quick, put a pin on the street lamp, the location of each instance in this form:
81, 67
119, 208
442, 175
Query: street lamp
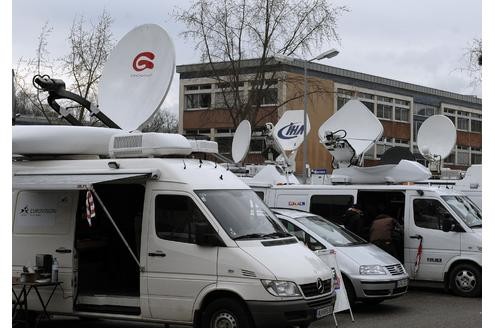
327, 54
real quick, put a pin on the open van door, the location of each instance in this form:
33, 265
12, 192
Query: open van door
43, 223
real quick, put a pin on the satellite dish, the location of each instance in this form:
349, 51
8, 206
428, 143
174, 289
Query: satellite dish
350, 132
395, 154
241, 141
137, 76
436, 137
289, 130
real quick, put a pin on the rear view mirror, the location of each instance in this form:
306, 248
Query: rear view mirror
206, 235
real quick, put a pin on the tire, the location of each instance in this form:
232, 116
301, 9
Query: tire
349, 288
465, 280
226, 313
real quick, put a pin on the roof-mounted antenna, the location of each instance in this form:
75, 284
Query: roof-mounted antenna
436, 139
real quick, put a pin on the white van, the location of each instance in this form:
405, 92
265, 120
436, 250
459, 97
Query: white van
192, 244
448, 223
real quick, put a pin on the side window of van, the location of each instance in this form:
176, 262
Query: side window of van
300, 234
331, 207
175, 216
429, 213
260, 194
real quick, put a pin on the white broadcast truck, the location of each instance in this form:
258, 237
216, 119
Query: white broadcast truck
142, 231
444, 221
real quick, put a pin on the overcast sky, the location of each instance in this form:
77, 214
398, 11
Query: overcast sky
418, 41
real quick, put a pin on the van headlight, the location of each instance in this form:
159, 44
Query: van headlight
281, 288
371, 269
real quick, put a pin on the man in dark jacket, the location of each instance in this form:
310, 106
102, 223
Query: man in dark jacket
353, 220
382, 233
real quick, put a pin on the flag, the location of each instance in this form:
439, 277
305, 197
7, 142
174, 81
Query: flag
90, 207
418, 256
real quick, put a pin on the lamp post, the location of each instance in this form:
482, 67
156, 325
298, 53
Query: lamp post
327, 54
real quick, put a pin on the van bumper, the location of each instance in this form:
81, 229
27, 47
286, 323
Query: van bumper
289, 313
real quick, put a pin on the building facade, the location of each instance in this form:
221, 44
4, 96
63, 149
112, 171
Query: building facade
401, 107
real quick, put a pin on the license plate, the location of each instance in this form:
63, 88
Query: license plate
402, 283
323, 312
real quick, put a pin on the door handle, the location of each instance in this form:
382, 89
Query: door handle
63, 250
157, 254
416, 237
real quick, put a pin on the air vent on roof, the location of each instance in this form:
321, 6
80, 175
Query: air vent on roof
148, 145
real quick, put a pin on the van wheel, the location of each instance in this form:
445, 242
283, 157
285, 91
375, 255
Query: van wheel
465, 280
351, 294
226, 313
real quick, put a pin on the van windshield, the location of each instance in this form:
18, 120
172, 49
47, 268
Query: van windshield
242, 214
465, 209
334, 234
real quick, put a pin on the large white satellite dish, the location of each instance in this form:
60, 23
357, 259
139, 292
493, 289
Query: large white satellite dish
241, 141
289, 130
137, 76
350, 132
436, 137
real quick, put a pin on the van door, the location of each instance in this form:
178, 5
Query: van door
178, 268
43, 223
426, 214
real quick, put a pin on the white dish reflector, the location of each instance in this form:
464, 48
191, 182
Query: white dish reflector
436, 137
359, 126
241, 141
289, 130
137, 76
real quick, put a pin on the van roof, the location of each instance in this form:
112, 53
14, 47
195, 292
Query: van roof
192, 172
440, 189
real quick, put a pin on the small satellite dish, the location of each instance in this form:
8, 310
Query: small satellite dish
241, 141
350, 132
289, 130
436, 137
137, 76
395, 154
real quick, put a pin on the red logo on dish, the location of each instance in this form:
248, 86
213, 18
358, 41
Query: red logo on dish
143, 61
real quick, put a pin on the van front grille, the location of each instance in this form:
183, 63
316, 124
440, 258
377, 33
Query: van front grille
311, 289
395, 269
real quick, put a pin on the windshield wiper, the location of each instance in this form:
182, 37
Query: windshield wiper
476, 226
263, 235
249, 236
278, 234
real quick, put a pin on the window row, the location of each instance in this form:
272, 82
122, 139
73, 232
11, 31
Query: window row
372, 97
230, 99
382, 111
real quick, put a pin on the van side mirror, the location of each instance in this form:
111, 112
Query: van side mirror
206, 235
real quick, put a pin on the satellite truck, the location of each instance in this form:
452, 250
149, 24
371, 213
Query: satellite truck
442, 227
140, 229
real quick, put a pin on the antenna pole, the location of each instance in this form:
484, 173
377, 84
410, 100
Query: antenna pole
305, 144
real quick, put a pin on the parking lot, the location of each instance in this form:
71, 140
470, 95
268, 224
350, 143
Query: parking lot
421, 307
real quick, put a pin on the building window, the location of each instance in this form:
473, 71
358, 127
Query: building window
341, 102
402, 102
384, 111
424, 110
266, 96
475, 156
450, 159
198, 100
462, 123
224, 145
384, 99
366, 95
257, 145
370, 106
475, 126
401, 142
198, 87
345, 92
402, 114
462, 155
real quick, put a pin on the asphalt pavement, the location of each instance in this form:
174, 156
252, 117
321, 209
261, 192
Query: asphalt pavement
420, 307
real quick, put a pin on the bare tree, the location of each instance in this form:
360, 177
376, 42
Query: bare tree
227, 32
162, 121
90, 45
31, 101
472, 59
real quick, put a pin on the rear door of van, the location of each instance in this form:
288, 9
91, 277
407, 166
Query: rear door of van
43, 223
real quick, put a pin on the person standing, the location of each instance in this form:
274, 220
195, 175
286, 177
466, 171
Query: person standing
353, 220
382, 233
